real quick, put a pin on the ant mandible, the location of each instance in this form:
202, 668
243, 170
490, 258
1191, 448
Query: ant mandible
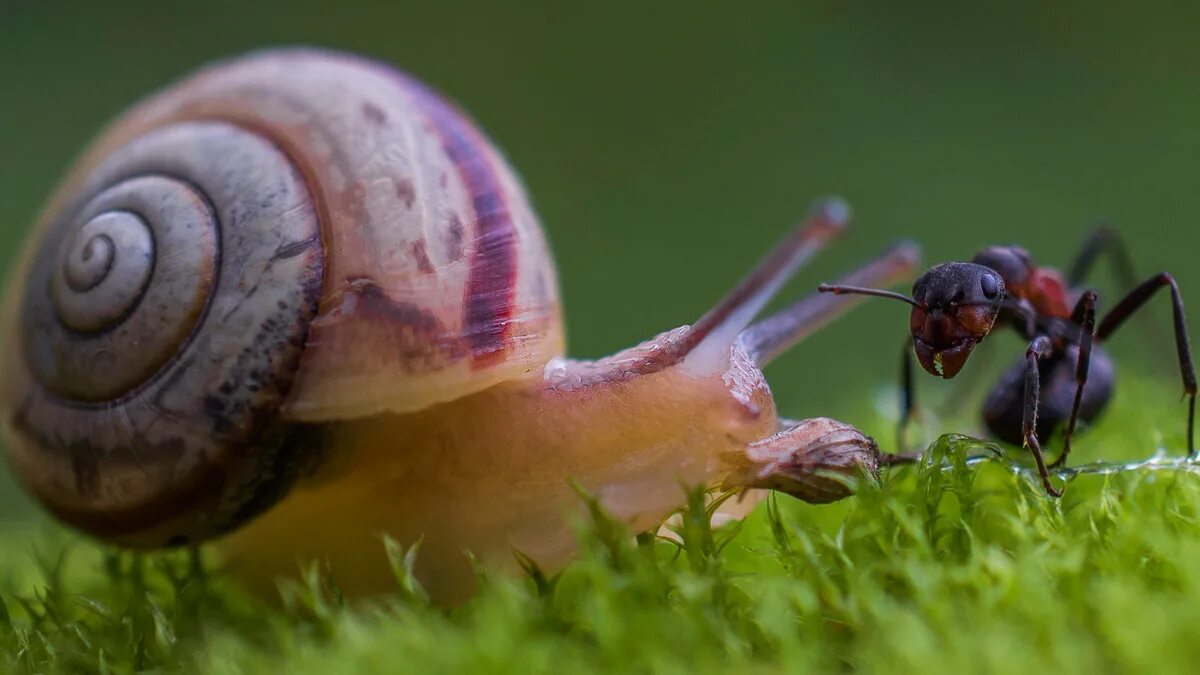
1062, 376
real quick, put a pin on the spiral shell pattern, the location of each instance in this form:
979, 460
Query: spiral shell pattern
101, 292
163, 315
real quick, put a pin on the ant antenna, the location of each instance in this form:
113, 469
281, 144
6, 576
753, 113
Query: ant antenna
856, 290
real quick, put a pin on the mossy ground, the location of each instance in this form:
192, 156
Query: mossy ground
944, 567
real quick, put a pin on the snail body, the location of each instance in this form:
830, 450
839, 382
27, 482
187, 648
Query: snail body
298, 300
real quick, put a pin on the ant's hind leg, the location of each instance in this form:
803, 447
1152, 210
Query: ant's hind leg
1085, 317
1103, 240
1038, 349
1106, 241
1130, 304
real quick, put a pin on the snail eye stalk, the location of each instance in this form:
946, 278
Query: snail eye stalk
775, 334
705, 348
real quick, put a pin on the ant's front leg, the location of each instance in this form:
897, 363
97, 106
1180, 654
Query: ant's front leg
1022, 315
1130, 304
1038, 349
908, 398
1085, 316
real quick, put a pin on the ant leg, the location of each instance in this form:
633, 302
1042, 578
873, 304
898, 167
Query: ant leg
908, 405
1103, 239
1130, 304
1085, 316
1038, 349
898, 458
908, 399
1023, 311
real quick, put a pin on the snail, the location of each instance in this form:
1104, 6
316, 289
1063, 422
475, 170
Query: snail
298, 300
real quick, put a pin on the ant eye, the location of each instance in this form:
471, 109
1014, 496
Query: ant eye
990, 286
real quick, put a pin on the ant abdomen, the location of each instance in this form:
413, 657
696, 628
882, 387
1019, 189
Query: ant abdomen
1004, 406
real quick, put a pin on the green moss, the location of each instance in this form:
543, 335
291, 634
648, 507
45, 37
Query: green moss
949, 566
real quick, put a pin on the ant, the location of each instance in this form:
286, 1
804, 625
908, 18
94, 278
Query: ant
1062, 376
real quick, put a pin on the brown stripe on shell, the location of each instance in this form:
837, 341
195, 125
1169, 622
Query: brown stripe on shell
416, 340
489, 298
419, 254
454, 237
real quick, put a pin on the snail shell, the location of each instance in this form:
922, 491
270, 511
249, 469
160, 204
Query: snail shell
280, 240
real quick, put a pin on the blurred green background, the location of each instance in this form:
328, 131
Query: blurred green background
667, 145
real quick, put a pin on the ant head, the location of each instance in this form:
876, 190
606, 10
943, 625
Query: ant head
955, 308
